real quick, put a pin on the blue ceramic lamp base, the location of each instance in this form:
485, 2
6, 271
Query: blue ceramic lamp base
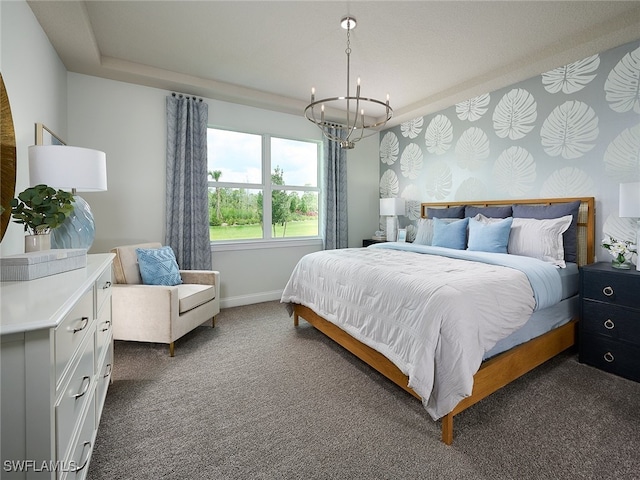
78, 230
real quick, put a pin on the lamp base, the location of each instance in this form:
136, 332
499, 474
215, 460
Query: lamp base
392, 230
78, 230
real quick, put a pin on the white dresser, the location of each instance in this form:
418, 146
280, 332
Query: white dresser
56, 356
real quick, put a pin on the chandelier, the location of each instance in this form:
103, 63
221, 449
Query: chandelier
355, 127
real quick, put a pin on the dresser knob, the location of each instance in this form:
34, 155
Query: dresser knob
608, 357
608, 291
608, 324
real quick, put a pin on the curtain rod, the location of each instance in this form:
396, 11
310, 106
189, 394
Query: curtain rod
181, 95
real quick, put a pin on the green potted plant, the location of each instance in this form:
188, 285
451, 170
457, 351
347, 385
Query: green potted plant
40, 209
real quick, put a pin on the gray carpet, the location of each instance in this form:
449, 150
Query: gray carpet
256, 398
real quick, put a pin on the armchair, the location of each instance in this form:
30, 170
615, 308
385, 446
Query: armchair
158, 313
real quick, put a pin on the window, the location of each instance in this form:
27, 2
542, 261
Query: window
262, 187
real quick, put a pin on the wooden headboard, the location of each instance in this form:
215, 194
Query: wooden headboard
586, 218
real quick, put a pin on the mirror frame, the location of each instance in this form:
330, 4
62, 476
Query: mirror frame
7, 158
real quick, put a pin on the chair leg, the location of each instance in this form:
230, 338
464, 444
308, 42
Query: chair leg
213, 322
171, 349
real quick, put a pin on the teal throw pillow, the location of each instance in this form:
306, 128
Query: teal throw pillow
489, 237
450, 235
158, 266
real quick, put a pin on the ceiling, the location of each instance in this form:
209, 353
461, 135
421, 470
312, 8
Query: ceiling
427, 55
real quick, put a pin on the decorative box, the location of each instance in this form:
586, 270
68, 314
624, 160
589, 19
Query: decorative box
32, 265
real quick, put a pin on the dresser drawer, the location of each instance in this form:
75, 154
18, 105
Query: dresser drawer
74, 398
81, 450
103, 288
611, 287
71, 331
104, 332
103, 380
610, 355
611, 320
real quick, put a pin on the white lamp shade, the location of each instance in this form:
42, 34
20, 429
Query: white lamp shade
392, 206
66, 168
629, 200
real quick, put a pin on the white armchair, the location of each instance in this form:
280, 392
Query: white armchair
158, 313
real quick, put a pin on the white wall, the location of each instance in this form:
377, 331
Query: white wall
35, 79
128, 123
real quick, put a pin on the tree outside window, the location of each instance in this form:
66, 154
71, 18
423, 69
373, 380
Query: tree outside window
237, 187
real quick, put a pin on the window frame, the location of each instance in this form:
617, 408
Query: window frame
267, 187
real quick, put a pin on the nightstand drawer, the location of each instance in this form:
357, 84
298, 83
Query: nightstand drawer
611, 320
611, 287
609, 355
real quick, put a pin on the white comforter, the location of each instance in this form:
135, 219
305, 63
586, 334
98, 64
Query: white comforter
433, 317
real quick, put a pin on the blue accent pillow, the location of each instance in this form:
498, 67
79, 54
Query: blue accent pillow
489, 237
491, 212
449, 212
158, 266
557, 210
450, 234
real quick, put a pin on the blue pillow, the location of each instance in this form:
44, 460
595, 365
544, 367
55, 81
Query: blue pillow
158, 266
557, 210
450, 234
489, 237
449, 212
491, 212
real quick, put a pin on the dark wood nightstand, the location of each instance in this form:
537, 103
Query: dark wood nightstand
610, 319
370, 241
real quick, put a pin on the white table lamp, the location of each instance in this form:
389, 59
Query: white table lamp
630, 207
76, 169
391, 208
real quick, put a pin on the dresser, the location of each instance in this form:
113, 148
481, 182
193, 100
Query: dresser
610, 319
56, 356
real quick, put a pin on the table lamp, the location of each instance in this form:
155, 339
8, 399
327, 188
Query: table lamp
391, 208
76, 169
630, 207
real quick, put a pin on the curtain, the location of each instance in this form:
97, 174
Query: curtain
335, 189
187, 199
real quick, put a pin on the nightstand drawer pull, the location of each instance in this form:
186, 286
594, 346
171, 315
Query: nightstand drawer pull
608, 357
608, 291
608, 324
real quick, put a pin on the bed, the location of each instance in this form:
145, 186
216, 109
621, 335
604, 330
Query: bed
449, 370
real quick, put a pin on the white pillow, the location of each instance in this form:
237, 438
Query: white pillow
486, 220
424, 235
540, 239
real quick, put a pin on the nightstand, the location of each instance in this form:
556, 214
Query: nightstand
610, 319
370, 241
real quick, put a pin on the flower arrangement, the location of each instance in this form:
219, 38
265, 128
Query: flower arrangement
621, 250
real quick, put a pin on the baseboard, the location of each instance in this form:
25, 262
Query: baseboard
241, 300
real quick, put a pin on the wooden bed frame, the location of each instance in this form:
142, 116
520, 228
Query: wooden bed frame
502, 369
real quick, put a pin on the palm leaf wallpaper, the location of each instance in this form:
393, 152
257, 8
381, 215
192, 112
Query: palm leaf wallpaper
572, 131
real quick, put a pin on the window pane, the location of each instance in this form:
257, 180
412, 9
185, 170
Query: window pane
235, 214
294, 214
296, 160
237, 156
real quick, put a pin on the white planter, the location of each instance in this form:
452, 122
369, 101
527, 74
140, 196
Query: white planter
36, 243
